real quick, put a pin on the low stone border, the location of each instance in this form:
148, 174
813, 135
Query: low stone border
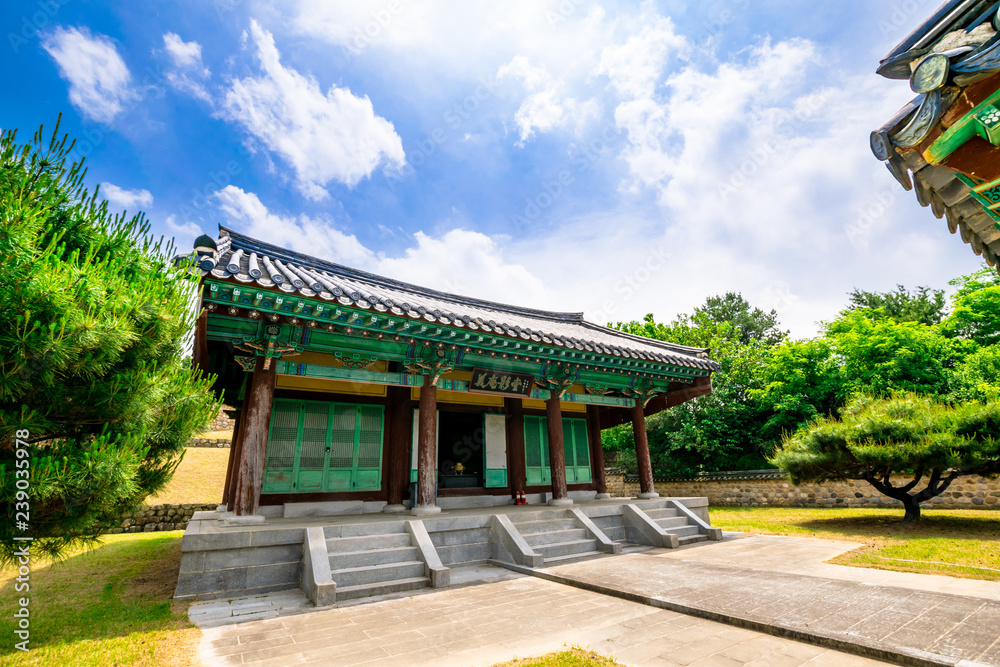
770, 488
160, 517
209, 442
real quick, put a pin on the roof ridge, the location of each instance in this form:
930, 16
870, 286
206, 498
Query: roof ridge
251, 244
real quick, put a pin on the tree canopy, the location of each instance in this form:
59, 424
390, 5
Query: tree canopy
906, 435
881, 343
92, 319
923, 304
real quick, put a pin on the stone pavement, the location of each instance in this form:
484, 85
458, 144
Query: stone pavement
906, 623
807, 555
486, 624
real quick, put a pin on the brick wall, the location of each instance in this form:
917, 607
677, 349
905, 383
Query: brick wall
160, 517
776, 491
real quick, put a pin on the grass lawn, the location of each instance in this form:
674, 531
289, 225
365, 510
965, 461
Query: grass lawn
575, 657
200, 478
957, 543
107, 606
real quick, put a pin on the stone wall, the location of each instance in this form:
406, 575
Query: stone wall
209, 442
774, 490
161, 517
225, 420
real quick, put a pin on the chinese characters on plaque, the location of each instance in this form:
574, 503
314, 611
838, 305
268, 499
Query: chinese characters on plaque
500, 382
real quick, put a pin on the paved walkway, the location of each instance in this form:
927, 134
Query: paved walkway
910, 618
486, 624
806, 555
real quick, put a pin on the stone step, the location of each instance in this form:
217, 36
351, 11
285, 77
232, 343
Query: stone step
672, 521
569, 558
553, 536
565, 548
369, 574
364, 528
544, 525
689, 539
681, 531
346, 559
367, 542
661, 512
381, 588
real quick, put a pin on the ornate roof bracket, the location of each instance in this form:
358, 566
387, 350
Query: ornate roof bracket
643, 392
268, 346
433, 361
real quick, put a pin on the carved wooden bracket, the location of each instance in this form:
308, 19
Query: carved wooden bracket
267, 347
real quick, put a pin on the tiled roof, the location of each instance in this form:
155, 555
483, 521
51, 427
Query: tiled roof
955, 50
248, 260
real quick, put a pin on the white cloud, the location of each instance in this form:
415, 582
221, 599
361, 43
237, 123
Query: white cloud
461, 261
546, 107
188, 70
331, 137
184, 233
468, 263
313, 236
98, 77
186, 55
127, 199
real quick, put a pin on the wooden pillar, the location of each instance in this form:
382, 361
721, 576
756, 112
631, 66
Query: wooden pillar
515, 445
397, 446
596, 450
646, 488
228, 494
557, 451
427, 449
253, 439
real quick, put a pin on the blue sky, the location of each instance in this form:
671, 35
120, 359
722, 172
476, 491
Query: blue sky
615, 158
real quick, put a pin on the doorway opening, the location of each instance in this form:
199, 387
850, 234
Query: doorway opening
460, 450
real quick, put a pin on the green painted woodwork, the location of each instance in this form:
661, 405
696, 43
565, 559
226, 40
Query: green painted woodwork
388, 337
406, 379
982, 121
575, 446
577, 450
318, 447
495, 478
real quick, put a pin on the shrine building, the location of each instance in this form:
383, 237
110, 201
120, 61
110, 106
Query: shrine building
357, 387
390, 434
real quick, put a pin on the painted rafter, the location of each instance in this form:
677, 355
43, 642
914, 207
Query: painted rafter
482, 344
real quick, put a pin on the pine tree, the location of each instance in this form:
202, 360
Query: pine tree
92, 318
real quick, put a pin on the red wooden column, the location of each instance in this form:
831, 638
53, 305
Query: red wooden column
397, 446
253, 439
596, 450
557, 451
646, 488
228, 493
515, 445
427, 449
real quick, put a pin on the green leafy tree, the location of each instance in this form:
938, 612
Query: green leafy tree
862, 351
907, 435
92, 319
976, 308
977, 378
720, 431
752, 324
923, 304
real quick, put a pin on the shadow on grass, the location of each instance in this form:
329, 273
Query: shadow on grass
110, 600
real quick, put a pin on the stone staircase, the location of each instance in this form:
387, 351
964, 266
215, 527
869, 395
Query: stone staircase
669, 519
364, 563
557, 540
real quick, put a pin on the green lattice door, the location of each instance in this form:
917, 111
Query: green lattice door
316, 447
536, 451
575, 446
577, 449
